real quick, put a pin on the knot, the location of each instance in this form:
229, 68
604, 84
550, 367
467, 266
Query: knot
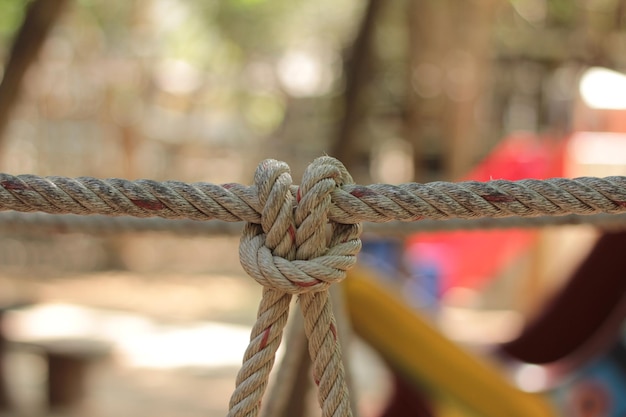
290, 251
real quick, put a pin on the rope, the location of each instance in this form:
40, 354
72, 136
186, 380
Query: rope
284, 243
287, 254
607, 222
349, 203
43, 223
274, 236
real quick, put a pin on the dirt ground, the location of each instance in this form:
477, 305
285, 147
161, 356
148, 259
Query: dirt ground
163, 326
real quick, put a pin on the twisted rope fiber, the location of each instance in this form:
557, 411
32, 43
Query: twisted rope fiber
43, 223
283, 245
287, 254
276, 224
350, 203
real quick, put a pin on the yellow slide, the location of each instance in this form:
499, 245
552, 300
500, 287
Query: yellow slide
424, 355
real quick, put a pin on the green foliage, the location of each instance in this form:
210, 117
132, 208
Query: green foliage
244, 4
112, 17
11, 16
563, 12
256, 25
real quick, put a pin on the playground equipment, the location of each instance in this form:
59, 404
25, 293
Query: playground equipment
425, 356
284, 246
574, 345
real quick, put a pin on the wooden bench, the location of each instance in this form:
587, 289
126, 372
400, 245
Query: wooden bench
68, 362
5, 403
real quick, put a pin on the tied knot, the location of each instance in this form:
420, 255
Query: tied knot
290, 250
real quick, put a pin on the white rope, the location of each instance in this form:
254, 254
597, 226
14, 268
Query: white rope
43, 223
288, 254
350, 203
284, 245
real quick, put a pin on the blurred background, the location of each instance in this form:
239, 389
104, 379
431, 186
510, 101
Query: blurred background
409, 90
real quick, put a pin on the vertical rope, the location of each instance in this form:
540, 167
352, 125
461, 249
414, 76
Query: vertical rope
273, 181
322, 177
288, 254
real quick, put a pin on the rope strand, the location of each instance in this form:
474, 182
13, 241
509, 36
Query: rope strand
304, 265
284, 245
350, 203
277, 223
43, 223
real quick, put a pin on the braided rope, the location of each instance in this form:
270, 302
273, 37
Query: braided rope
350, 203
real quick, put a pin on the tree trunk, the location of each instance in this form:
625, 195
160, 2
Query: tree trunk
448, 58
40, 17
358, 72
473, 22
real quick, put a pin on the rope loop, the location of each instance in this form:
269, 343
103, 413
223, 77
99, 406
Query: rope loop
298, 225
289, 253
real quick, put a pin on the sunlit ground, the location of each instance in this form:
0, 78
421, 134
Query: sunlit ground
158, 366
161, 362
136, 341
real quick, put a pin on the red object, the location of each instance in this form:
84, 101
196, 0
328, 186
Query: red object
471, 258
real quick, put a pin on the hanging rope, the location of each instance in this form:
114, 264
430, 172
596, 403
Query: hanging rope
288, 254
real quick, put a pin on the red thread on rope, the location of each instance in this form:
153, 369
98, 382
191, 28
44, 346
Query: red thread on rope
498, 198
149, 205
359, 192
308, 284
14, 185
333, 330
266, 335
292, 233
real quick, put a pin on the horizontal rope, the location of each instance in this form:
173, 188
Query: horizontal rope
606, 222
350, 203
38, 223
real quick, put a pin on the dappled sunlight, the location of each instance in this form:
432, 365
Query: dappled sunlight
136, 340
462, 319
531, 378
178, 77
210, 345
304, 72
603, 88
598, 153
392, 162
